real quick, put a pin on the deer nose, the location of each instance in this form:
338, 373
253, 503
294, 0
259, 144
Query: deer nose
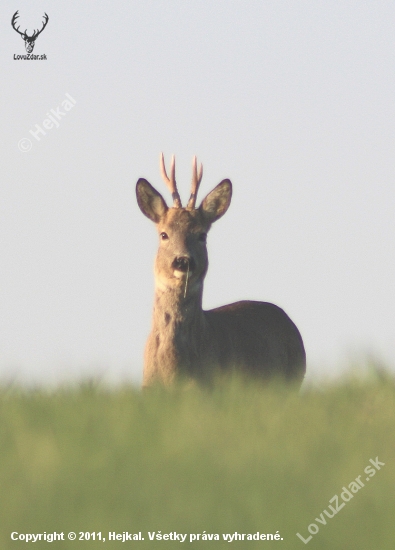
183, 263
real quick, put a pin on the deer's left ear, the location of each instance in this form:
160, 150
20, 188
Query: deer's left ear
217, 201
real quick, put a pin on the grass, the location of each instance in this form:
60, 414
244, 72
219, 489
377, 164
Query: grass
238, 457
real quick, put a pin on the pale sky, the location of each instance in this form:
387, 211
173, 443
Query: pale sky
294, 101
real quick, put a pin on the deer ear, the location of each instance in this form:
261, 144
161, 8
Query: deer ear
151, 203
217, 201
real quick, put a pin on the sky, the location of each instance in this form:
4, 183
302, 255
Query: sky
294, 101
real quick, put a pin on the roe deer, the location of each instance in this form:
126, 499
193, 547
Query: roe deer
256, 338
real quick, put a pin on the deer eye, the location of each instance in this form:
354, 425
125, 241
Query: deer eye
164, 236
203, 237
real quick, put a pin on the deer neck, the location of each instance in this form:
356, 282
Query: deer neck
174, 312
177, 336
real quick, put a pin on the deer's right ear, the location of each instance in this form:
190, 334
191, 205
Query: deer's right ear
151, 203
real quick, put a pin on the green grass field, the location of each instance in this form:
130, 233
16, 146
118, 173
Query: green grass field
237, 458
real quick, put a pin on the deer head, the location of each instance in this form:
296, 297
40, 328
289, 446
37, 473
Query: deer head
29, 40
181, 263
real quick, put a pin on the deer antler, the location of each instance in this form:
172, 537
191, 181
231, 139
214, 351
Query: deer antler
196, 179
37, 32
13, 22
170, 182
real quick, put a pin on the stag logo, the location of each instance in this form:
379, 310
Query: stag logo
29, 40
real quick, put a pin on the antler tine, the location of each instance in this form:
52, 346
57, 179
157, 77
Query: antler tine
170, 182
37, 32
14, 22
46, 19
196, 179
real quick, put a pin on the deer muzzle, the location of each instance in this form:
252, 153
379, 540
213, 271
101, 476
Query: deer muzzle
183, 264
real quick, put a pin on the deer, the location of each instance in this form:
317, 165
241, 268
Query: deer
255, 339
29, 40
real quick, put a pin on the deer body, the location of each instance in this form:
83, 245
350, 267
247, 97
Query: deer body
256, 338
